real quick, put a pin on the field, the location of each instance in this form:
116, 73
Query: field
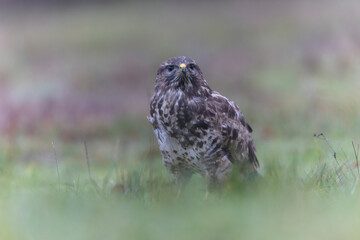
78, 159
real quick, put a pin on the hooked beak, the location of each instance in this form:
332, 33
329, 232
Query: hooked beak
183, 68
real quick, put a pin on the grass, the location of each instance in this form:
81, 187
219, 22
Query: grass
135, 199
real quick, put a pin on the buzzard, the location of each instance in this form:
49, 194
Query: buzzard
198, 129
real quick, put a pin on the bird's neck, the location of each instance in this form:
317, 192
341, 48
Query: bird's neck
192, 91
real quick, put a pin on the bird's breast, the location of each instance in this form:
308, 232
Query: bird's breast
170, 110
177, 156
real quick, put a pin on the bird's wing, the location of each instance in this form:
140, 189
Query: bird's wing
229, 108
228, 122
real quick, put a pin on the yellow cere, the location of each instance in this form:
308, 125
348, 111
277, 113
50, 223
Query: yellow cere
183, 65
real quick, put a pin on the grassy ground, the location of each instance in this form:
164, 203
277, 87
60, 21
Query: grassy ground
87, 73
305, 193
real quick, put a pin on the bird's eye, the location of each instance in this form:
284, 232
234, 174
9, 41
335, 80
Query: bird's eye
170, 68
191, 66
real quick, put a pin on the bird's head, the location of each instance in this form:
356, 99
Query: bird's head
179, 73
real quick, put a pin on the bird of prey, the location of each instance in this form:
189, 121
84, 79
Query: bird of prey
198, 129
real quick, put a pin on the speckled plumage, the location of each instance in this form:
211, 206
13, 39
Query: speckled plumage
198, 129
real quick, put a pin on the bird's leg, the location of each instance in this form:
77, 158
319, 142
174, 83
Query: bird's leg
223, 169
217, 178
208, 183
181, 180
211, 182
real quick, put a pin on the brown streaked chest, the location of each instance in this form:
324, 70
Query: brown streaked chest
169, 110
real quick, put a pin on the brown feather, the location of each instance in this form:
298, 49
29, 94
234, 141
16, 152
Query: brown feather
198, 129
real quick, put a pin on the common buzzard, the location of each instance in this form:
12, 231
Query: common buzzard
198, 129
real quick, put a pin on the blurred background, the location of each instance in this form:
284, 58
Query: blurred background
85, 70
74, 70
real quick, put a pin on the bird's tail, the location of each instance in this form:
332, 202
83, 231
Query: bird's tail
252, 156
